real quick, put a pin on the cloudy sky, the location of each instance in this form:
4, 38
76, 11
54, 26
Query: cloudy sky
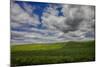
36, 22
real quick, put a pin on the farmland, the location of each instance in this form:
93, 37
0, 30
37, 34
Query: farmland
52, 53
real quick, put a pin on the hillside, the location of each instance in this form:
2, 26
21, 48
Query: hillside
65, 52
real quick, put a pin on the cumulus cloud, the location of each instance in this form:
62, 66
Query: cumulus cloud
76, 23
76, 18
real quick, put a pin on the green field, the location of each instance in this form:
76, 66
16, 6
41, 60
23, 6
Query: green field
65, 52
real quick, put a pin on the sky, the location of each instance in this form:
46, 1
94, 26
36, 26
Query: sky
38, 22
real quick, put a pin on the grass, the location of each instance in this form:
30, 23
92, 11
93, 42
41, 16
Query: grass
65, 52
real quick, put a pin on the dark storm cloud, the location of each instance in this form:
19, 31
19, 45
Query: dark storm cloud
72, 24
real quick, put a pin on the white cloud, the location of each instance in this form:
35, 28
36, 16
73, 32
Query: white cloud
77, 22
19, 15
